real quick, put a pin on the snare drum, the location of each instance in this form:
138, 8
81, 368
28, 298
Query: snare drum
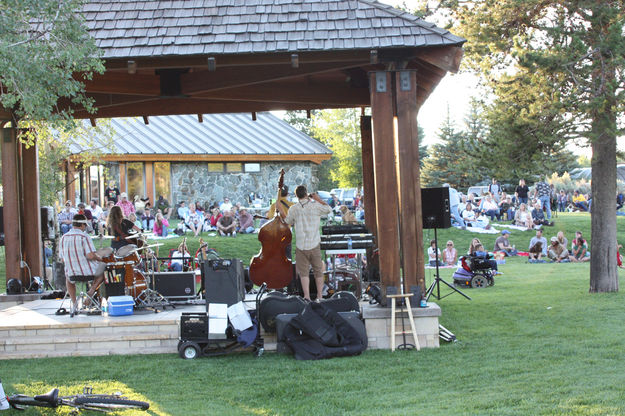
128, 253
107, 257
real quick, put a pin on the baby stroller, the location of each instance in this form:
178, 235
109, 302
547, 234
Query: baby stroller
474, 271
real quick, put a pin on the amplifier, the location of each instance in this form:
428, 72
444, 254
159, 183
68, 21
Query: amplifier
175, 285
224, 281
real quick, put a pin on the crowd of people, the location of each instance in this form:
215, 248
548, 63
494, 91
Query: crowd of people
524, 207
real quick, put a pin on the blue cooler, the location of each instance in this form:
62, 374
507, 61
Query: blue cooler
120, 305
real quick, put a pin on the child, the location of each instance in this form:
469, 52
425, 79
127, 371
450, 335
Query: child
133, 218
482, 257
160, 225
434, 257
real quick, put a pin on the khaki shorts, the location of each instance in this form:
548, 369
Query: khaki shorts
304, 259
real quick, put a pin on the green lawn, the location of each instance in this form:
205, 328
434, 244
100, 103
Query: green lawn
536, 343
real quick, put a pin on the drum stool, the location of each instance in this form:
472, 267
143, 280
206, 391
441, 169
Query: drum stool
82, 298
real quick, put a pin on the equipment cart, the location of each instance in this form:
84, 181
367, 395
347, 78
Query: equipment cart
195, 340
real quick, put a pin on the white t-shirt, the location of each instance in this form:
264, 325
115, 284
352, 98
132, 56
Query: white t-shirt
431, 255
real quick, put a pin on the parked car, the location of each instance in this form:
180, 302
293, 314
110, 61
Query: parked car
477, 190
345, 195
325, 195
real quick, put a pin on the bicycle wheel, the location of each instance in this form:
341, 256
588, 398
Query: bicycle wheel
109, 403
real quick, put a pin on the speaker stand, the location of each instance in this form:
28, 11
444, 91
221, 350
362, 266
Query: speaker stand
437, 280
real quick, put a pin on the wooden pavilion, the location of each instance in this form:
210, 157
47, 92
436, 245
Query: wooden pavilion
216, 56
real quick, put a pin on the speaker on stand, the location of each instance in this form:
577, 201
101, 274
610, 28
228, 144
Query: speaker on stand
436, 213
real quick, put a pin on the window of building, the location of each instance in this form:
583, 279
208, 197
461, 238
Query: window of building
234, 167
252, 167
215, 167
162, 180
135, 183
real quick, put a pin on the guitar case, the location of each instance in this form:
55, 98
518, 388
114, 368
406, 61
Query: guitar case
276, 303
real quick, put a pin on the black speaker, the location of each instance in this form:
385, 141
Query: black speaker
435, 207
224, 281
175, 285
47, 223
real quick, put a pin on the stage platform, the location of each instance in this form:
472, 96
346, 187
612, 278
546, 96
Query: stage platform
32, 330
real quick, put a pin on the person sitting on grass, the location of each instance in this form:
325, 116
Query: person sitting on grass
579, 252
523, 218
227, 225
210, 222
160, 225
538, 216
450, 254
473, 247
538, 246
502, 244
579, 200
246, 222
557, 252
490, 208
195, 220
434, 254
179, 257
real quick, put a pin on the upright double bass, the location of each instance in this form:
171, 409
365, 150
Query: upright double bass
271, 265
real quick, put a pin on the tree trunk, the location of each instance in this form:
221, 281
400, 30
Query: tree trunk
603, 268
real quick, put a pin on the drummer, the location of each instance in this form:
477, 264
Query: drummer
120, 228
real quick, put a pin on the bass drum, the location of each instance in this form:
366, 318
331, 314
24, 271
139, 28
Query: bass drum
136, 284
128, 253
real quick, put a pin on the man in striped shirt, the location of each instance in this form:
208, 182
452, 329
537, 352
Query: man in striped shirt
306, 215
79, 255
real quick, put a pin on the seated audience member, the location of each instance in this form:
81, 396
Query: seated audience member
160, 225
620, 200
579, 200
538, 216
227, 225
474, 243
65, 218
360, 213
183, 211
471, 200
210, 223
96, 213
178, 258
468, 215
563, 201
139, 205
562, 239
137, 222
619, 258
506, 207
538, 246
434, 254
347, 216
502, 244
226, 205
126, 206
450, 254
163, 205
246, 222
557, 252
483, 254
523, 218
490, 208
194, 220
147, 219
579, 250
83, 211
199, 207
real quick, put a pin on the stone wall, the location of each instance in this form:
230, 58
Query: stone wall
193, 182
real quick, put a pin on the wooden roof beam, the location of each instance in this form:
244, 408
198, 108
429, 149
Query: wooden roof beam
197, 82
124, 83
446, 58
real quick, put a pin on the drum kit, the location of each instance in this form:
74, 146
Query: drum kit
136, 264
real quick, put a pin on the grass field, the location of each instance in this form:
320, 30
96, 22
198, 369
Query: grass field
536, 343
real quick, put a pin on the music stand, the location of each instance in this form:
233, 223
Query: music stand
437, 280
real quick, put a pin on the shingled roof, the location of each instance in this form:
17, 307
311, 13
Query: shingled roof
127, 28
219, 136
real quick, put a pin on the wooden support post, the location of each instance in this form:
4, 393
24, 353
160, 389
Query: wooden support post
386, 198
368, 177
149, 182
31, 211
70, 183
411, 226
11, 210
122, 178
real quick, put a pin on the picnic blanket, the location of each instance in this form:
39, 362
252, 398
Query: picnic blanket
157, 237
